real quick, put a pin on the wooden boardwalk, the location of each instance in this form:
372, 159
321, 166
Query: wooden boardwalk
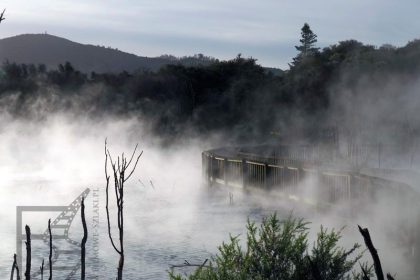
300, 173
291, 174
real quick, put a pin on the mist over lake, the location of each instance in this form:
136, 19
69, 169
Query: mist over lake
204, 140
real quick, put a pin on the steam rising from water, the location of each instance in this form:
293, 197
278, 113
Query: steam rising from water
170, 216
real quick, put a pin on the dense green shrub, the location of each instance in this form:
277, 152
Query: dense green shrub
280, 250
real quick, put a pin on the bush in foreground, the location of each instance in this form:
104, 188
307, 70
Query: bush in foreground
280, 250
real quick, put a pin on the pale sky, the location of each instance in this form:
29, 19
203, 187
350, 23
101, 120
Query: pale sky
264, 29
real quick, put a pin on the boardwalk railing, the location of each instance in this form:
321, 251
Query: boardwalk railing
293, 175
303, 178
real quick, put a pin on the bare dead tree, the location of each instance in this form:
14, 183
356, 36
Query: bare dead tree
14, 267
376, 261
188, 264
2, 16
28, 253
50, 255
12, 272
120, 168
42, 269
84, 239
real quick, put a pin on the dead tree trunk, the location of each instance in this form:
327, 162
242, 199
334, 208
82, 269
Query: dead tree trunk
376, 261
120, 169
28, 253
12, 272
14, 267
50, 255
84, 239
42, 269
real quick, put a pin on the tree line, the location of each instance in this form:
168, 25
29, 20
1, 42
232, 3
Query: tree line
238, 96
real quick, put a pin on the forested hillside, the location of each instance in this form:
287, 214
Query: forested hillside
354, 86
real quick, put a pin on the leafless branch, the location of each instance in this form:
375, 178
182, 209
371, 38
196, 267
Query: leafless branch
107, 197
188, 264
132, 155
134, 167
142, 183
2, 16
119, 170
14, 267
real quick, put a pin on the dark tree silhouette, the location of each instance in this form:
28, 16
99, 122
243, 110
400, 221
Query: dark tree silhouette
374, 253
2, 16
50, 254
84, 240
121, 173
28, 253
41, 268
14, 267
307, 47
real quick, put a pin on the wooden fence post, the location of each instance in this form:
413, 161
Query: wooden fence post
210, 175
266, 176
244, 173
204, 165
352, 195
225, 170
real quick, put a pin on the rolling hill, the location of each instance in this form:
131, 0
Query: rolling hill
52, 50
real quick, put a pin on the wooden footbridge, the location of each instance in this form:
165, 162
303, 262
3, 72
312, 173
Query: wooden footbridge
317, 177
285, 168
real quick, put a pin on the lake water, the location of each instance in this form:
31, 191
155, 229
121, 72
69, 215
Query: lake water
163, 226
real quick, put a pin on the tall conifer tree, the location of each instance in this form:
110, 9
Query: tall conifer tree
307, 47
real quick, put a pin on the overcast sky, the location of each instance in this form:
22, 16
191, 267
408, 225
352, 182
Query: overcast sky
264, 29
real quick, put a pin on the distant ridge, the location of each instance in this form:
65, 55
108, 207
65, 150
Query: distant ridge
52, 50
